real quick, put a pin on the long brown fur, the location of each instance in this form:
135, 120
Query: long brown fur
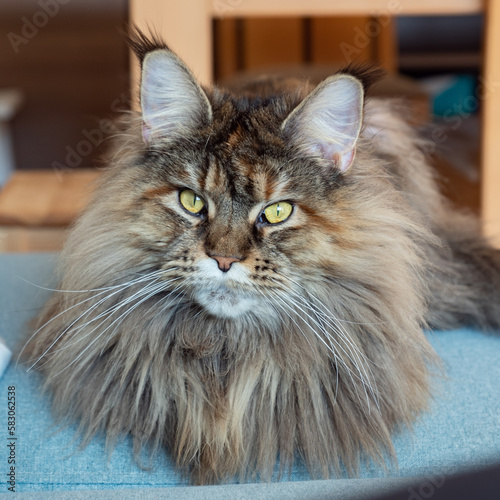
331, 361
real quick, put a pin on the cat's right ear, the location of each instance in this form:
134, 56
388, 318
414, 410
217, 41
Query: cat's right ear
172, 101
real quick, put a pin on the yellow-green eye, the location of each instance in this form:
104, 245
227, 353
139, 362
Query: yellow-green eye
278, 212
191, 201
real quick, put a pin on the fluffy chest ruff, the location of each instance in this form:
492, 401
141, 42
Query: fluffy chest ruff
227, 396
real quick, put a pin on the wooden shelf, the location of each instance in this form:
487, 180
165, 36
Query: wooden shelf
36, 207
44, 198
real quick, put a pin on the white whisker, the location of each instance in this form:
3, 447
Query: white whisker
122, 287
159, 286
334, 323
111, 310
363, 376
331, 320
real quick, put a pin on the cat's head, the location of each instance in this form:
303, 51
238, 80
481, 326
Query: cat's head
242, 198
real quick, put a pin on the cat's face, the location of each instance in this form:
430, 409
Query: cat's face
237, 193
236, 227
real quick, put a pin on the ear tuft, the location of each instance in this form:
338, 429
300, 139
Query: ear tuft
367, 74
172, 101
141, 43
328, 121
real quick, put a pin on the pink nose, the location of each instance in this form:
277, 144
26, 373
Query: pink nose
224, 262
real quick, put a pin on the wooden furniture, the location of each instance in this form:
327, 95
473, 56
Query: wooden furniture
187, 26
490, 143
37, 206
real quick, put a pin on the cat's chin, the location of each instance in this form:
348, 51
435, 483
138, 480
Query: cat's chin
226, 303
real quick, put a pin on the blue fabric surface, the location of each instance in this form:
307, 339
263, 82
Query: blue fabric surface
462, 429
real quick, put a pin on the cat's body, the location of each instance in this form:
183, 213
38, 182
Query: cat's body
206, 318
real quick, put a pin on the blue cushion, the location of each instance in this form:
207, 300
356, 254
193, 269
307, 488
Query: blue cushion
462, 429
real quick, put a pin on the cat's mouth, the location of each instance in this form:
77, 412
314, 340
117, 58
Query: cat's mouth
225, 302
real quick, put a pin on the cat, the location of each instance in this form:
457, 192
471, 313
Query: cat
253, 275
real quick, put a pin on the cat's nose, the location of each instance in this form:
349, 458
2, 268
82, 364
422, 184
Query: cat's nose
224, 262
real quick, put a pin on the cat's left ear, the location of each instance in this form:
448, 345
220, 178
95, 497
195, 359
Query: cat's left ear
327, 122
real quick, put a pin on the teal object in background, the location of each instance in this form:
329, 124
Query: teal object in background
460, 431
452, 95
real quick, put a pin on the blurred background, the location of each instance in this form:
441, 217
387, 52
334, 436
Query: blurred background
65, 71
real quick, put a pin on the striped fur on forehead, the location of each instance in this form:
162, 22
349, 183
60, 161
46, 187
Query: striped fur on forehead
254, 178
239, 170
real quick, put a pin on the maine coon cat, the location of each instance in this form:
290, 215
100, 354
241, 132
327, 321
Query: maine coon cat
253, 275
